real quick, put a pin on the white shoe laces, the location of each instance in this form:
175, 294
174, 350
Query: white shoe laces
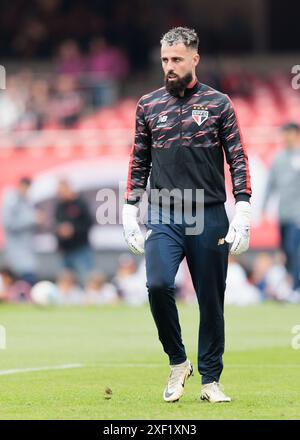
175, 375
216, 388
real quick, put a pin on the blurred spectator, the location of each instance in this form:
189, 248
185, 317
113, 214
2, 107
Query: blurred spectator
106, 65
11, 105
261, 265
12, 289
130, 282
35, 115
67, 103
105, 61
73, 224
32, 38
20, 220
69, 291
284, 178
239, 291
271, 277
70, 60
99, 292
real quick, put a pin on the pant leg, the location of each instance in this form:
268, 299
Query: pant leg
297, 259
163, 254
29, 277
207, 261
80, 260
293, 240
286, 244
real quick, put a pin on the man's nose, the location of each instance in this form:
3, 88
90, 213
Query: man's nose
170, 67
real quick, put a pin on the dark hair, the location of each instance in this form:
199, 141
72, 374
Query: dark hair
6, 271
291, 126
25, 181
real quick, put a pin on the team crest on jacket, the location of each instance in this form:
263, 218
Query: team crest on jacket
199, 114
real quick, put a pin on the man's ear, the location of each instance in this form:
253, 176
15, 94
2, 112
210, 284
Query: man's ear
196, 59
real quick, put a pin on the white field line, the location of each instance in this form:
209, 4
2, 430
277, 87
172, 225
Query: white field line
275, 365
133, 365
29, 370
227, 366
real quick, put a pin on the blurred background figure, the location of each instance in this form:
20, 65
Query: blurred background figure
70, 293
263, 262
69, 60
131, 282
73, 222
67, 102
271, 277
36, 112
284, 179
12, 289
99, 292
239, 291
106, 66
20, 221
12, 105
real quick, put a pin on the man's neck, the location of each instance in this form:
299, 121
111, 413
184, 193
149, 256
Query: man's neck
189, 86
192, 83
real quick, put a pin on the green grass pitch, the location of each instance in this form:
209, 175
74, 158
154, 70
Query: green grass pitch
119, 349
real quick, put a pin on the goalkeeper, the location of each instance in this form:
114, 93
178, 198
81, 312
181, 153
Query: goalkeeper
182, 132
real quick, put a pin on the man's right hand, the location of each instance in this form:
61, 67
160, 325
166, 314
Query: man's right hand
65, 230
132, 232
40, 217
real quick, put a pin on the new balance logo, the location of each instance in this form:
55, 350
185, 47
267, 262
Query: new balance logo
162, 120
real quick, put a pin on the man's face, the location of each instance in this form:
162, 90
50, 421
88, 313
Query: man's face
291, 137
23, 189
64, 191
179, 65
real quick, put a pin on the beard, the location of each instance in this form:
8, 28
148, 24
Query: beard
176, 86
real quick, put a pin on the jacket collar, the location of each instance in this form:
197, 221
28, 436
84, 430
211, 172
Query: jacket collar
189, 91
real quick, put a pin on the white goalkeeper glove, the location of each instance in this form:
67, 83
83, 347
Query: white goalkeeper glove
132, 232
239, 228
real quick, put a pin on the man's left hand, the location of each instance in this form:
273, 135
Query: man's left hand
239, 228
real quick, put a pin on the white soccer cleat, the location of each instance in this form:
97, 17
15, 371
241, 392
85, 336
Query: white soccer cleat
176, 381
213, 392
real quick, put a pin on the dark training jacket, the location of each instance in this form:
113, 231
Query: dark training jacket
182, 142
77, 213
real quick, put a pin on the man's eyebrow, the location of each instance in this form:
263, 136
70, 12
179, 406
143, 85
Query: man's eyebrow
173, 58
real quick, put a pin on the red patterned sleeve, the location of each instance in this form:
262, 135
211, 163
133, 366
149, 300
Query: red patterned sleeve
140, 158
235, 151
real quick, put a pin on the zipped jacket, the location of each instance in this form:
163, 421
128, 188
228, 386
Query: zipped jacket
181, 142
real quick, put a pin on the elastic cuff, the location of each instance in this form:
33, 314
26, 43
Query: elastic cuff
177, 360
208, 379
243, 197
130, 202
